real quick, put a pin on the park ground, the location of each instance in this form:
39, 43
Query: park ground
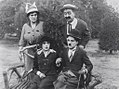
106, 65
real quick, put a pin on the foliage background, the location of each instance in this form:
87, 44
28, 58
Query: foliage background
95, 12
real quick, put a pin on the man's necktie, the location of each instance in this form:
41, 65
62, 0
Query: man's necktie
69, 28
70, 55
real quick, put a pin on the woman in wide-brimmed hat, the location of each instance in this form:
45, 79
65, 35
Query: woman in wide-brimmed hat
31, 32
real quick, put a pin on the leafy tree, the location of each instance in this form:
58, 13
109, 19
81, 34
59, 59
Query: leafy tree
109, 36
92, 11
13, 11
96, 14
7, 12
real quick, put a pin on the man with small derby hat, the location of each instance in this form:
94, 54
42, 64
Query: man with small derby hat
73, 58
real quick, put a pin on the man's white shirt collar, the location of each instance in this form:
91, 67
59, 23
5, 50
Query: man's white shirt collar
74, 23
72, 51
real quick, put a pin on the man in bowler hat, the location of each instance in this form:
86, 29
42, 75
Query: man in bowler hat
73, 58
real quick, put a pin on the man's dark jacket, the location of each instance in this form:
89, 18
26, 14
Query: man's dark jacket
80, 57
83, 30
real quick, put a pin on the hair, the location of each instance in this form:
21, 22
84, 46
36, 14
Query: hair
45, 41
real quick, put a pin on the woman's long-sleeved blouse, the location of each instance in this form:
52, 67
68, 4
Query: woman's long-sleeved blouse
30, 35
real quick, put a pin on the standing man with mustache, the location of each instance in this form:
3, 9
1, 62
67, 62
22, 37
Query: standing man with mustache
74, 23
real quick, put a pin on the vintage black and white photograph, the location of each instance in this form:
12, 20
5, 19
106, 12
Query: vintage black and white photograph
59, 44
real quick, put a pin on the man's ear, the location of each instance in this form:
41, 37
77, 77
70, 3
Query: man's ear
77, 42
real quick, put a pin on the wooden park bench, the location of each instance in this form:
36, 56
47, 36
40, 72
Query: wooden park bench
23, 81
15, 69
9, 72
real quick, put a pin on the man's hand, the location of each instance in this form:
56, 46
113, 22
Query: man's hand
81, 46
58, 62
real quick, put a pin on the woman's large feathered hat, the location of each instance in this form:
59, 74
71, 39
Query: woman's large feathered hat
31, 8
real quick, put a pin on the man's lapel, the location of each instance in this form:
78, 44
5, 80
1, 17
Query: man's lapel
66, 54
65, 30
75, 54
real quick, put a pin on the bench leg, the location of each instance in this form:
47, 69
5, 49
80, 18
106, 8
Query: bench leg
6, 80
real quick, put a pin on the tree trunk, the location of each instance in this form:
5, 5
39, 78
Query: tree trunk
111, 51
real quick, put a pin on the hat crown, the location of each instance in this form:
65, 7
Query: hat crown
74, 33
70, 5
31, 7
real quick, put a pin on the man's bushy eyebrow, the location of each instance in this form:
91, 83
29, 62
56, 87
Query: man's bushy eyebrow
70, 40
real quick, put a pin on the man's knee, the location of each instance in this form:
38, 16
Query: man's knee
59, 84
34, 83
33, 86
36, 79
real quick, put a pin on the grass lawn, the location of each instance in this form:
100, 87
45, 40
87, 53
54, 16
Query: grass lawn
104, 64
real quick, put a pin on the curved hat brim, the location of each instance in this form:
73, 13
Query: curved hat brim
74, 8
72, 35
31, 11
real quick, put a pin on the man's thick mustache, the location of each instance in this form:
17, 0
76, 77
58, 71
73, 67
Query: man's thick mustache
68, 17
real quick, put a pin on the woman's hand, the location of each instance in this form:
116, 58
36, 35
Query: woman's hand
83, 71
42, 75
81, 46
20, 48
19, 52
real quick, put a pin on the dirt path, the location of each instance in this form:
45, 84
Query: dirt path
8, 56
104, 64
